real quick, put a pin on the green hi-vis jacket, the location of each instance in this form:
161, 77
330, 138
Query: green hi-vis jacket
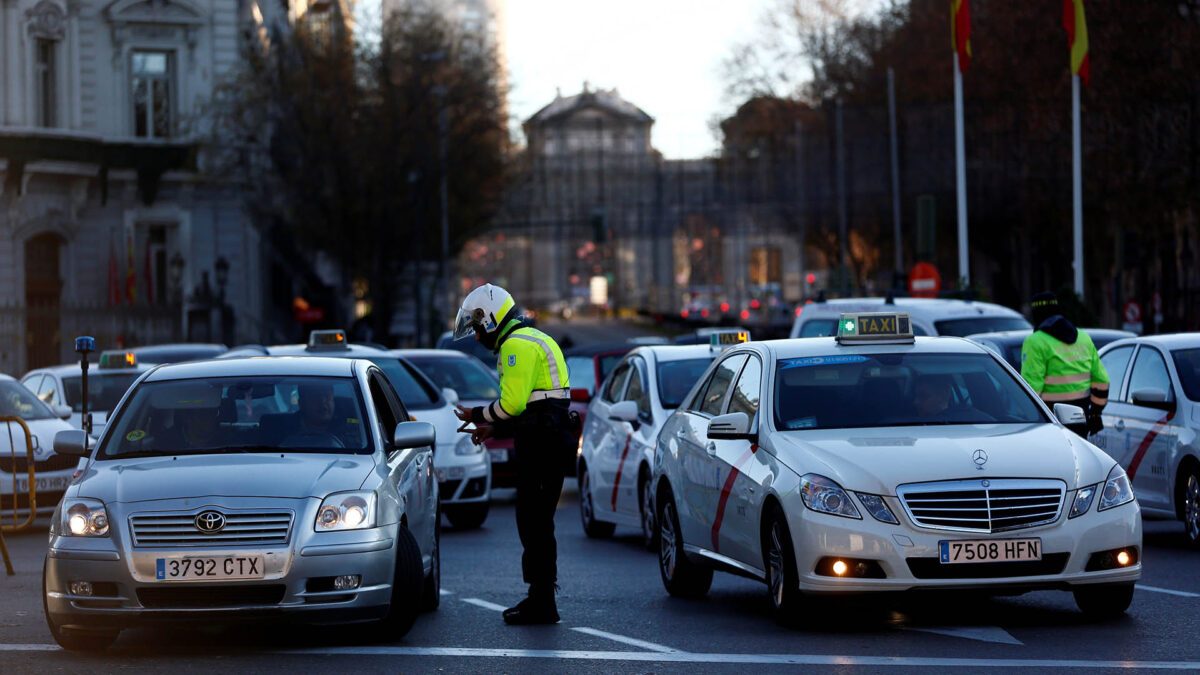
1062, 372
532, 368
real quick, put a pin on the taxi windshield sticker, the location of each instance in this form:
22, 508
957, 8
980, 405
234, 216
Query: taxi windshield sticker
823, 361
135, 435
351, 420
802, 423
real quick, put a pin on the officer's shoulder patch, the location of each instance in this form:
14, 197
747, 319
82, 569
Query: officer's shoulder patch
512, 360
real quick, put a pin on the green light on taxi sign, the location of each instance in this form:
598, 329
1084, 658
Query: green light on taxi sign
848, 327
874, 327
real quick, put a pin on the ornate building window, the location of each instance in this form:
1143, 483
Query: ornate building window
45, 80
153, 84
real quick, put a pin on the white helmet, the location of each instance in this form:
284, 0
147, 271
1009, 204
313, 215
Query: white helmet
485, 308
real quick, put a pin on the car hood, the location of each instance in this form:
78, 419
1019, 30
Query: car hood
879, 459
242, 475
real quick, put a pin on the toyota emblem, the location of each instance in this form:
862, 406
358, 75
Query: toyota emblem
980, 458
210, 522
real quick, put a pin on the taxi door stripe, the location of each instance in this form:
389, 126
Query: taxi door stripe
620, 468
1146, 443
728, 487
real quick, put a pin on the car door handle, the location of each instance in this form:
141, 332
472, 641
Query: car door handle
1120, 425
711, 449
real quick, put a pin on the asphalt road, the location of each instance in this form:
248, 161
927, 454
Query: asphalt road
618, 618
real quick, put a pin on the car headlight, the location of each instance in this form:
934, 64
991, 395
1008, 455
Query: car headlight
80, 517
466, 447
822, 494
1083, 501
346, 511
1117, 490
877, 508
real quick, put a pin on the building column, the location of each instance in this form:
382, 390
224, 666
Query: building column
14, 58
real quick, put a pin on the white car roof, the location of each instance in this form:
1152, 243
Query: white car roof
676, 352
7, 378
1166, 341
93, 369
257, 365
926, 308
429, 353
828, 346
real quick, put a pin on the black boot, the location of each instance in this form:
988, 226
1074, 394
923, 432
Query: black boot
537, 608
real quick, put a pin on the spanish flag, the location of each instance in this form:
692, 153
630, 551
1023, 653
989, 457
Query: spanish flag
960, 31
1076, 25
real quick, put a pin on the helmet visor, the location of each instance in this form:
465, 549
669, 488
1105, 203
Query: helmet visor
464, 325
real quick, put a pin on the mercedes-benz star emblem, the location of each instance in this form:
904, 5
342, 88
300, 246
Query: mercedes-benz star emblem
980, 458
210, 522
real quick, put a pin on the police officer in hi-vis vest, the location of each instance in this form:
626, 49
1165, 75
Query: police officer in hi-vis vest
1061, 364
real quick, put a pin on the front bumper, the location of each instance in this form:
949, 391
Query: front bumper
296, 583
909, 556
462, 479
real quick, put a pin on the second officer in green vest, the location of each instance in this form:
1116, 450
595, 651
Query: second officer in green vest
534, 409
1060, 362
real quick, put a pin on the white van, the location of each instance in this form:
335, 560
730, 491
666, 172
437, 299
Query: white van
930, 316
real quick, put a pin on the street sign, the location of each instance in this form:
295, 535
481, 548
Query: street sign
924, 281
1131, 313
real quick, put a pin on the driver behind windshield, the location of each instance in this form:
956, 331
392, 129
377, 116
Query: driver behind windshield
931, 395
316, 407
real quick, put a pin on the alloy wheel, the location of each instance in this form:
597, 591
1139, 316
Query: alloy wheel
775, 566
585, 498
1191, 507
666, 547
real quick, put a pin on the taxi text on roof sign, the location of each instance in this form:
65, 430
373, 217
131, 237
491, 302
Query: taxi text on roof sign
118, 360
728, 338
874, 327
327, 339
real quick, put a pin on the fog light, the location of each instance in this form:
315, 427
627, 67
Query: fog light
81, 588
1123, 558
839, 568
346, 582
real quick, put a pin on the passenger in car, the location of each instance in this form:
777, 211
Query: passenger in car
931, 395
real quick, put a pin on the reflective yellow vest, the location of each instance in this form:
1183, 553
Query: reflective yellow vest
1062, 372
532, 368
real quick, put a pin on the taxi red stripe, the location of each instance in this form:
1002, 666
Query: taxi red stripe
620, 468
725, 490
1146, 443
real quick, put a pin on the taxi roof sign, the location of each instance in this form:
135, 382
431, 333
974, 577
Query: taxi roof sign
118, 359
327, 339
887, 327
725, 339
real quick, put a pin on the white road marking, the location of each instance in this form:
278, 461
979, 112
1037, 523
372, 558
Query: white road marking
633, 642
981, 633
442, 591
1182, 594
30, 648
484, 604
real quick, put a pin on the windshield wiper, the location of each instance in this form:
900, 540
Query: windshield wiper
142, 453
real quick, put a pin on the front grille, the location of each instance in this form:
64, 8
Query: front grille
242, 528
11, 464
447, 488
932, 568
204, 595
474, 488
1001, 505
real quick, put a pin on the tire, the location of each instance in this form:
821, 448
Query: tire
681, 577
76, 641
1189, 499
1103, 601
431, 592
467, 516
779, 561
596, 529
646, 509
407, 583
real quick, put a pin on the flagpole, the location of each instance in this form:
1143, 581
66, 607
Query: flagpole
1077, 185
960, 167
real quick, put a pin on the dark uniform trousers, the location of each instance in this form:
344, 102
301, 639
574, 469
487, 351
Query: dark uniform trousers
544, 441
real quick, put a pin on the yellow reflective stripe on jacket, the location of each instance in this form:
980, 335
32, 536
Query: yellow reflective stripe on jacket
1060, 371
1068, 379
529, 361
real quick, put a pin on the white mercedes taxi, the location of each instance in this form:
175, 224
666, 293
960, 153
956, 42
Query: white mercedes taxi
882, 462
325, 512
623, 421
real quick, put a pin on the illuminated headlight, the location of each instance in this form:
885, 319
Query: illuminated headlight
346, 511
877, 508
80, 518
822, 494
1117, 490
466, 447
1083, 501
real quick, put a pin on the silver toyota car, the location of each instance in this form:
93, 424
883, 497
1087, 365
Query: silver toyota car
274, 487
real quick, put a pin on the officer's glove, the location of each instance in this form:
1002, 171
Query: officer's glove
1095, 423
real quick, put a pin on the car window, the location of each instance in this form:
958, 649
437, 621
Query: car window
608, 362
718, 384
200, 416
582, 371
18, 401
48, 391
34, 383
1149, 372
614, 386
104, 389
414, 389
636, 391
817, 328
898, 390
387, 408
1187, 364
469, 378
981, 324
746, 392
1116, 362
675, 379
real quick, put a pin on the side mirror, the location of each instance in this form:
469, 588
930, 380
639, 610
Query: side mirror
1152, 398
625, 411
411, 435
1069, 415
733, 426
581, 395
450, 395
71, 442
63, 412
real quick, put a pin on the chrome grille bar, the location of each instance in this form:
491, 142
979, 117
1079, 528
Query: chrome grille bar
1004, 504
262, 528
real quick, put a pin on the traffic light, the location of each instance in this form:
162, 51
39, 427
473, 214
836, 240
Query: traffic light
599, 226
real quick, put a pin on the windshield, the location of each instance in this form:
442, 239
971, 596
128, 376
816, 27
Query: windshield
675, 379
467, 377
1187, 364
582, 373
241, 414
18, 401
104, 390
151, 355
980, 324
416, 393
881, 390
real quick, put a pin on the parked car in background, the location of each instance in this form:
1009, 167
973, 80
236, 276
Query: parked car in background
178, 352
702, 336
108, 380
1008, 343
52, 472
471, 347
929, 316
588, 366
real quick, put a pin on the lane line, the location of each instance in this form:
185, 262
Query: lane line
1156, 589
484, 604
981, 633
442, 591
30, 648
633, 642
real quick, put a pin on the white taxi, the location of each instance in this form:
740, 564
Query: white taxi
882, 462
623, 421
108, 380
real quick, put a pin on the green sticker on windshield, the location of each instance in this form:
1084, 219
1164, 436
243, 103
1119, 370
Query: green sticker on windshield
135, 435
351, 420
